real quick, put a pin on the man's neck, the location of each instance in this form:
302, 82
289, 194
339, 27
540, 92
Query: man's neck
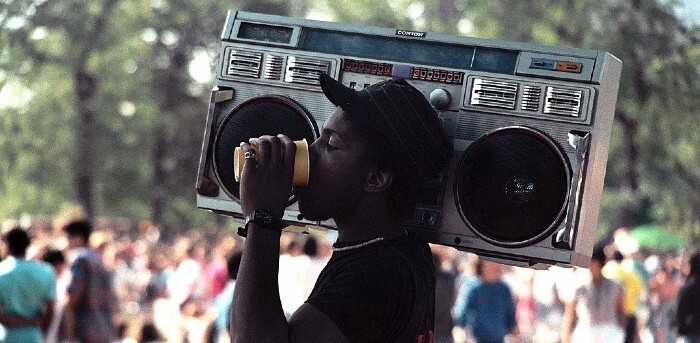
370, 221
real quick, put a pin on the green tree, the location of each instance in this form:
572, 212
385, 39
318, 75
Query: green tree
112, 116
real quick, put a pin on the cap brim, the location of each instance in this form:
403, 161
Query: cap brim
339, 94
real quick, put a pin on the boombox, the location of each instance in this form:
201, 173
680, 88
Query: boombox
530, 127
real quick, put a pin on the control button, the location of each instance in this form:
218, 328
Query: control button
427, 218
440, 99
542, 63
569, 67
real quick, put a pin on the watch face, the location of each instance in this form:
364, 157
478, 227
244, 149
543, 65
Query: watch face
262, 217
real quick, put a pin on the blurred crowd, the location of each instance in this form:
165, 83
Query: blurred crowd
169, 286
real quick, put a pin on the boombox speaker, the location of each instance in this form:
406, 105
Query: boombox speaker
530, 127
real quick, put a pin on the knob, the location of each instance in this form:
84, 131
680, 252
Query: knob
440, 98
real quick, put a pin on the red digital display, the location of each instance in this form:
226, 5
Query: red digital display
437, 75
366, 67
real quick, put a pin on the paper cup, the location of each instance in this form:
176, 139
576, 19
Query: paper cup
301, 163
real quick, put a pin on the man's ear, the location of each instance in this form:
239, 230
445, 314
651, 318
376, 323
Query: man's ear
378, 180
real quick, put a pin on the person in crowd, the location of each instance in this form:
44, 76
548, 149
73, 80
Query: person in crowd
661, 299
295, 269
623, 271
466, 281
596, 314
88, 316
688, 311
491, 306
27, 291
445, 292
57, 260
375, 150
186, 283
222, 303
319, 252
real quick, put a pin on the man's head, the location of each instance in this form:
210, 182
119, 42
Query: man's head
389, 140
488, 271
17, 241
694, 263
598, 260
78, 233
55, 258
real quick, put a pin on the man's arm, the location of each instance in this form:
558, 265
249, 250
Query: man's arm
620, 307
47, 314
569, 320
75, 291
256, 312
16, 321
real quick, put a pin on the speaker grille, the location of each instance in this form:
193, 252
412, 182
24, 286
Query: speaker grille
268, 115
244, 63
511, 186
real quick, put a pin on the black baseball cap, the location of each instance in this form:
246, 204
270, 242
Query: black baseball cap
402, 114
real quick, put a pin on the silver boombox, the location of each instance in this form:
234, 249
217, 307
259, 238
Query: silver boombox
530, 125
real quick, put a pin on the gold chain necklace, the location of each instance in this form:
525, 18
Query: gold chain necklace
359, 245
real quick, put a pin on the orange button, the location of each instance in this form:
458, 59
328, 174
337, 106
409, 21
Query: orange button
569, 67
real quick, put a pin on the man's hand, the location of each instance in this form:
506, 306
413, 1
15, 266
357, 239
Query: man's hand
267, 182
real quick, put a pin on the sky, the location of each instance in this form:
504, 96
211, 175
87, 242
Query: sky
690, 11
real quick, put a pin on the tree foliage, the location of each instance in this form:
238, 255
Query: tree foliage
112, 117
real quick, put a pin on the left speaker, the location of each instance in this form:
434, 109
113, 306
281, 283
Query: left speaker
235, 123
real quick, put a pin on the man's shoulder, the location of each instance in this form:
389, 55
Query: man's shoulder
43, 268
7, 265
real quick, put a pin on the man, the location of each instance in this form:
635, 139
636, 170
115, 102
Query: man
622, 270
688, 312
88, 313
596, 314
376, 148
27, 291
222, 302
490, 305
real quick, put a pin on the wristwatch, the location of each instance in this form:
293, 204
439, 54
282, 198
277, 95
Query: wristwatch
263, 218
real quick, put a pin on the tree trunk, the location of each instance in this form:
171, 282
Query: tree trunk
85, 89
158, 155
629, 210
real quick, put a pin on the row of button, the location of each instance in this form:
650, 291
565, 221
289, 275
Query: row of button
437, 75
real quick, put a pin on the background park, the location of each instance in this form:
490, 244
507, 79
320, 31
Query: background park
102, 108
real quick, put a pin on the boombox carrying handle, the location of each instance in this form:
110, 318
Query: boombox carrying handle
564, 239
205, 186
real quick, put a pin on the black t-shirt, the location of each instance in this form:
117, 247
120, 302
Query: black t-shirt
688, 311
382, 292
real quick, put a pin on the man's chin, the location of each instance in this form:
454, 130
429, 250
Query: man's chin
307, 212
310, 215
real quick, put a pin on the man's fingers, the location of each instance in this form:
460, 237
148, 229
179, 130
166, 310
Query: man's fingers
275, 159
289, 152
263, 151
250, 155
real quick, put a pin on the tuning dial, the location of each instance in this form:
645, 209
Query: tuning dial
440, 98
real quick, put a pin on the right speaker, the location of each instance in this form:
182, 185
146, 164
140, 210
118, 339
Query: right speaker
525, 184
